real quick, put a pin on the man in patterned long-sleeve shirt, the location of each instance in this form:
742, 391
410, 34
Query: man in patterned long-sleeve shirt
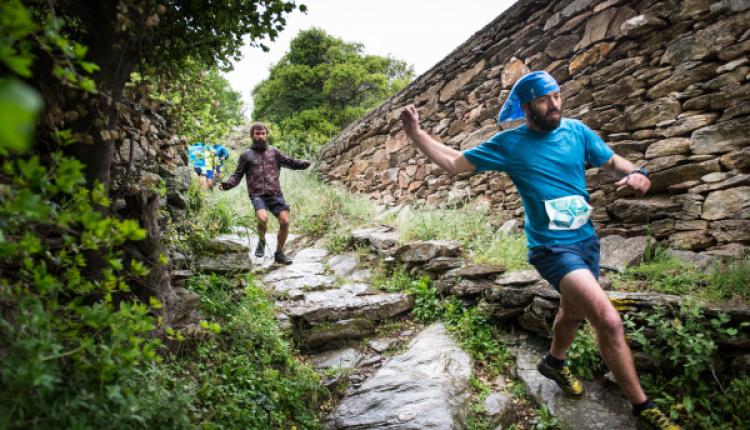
261, 166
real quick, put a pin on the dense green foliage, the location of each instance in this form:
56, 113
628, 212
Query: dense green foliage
246, 376
72, 344
321, 85
686, 386
204, 102
76, 343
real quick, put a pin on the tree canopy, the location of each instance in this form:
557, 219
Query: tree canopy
321, 85
204, 101
95, 46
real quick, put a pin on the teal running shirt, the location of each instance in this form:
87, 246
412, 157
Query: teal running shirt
548, 171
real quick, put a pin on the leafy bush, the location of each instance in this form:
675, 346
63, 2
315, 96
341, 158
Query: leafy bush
426, 303
582, 354
247, 376
74, 346
476, 335
686, 385
395, 281
208, 217
338, 237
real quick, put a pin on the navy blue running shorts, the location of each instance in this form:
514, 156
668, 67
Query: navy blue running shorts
276, 204
553, 262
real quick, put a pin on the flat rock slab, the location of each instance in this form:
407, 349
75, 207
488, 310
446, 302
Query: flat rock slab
348, 302
425, 388
426, 250
344, 264
379, 238
343, 359
308, 255
346, 329
226, 253
303, 274
621, 253
361, 275
601, 408
519, 278
306, 283
295, 270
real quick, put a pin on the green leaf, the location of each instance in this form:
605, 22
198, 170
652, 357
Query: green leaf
130, 230
15, 62
88, 67
19, 107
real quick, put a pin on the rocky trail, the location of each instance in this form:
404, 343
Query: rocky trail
414, 377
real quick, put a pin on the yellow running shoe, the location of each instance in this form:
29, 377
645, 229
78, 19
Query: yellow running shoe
564, 379
653, 419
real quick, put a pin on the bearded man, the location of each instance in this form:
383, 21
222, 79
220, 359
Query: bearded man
545, 159
261, 166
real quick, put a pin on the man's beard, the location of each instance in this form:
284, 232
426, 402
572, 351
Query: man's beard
260, 143
541, 120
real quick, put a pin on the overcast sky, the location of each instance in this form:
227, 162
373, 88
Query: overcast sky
420, 32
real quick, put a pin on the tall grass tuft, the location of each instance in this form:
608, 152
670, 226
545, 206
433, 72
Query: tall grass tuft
481, 240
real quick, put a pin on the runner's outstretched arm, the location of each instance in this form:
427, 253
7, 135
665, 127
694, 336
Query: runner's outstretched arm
444, 156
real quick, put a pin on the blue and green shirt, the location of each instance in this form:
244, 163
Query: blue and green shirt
548, 171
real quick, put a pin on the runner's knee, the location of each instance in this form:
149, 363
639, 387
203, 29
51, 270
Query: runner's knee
609, 325
573, 318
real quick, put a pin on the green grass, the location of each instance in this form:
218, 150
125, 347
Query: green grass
472, 228
725, 280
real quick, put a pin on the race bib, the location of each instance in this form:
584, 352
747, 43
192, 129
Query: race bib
567, 213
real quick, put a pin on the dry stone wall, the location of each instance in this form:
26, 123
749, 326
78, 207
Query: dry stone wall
150, 178
664, 83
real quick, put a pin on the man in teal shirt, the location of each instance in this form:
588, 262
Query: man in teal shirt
197, 157
221, 155
545, 159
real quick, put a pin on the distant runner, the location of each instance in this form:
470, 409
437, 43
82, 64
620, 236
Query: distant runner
197, 157
221, 155
261, 167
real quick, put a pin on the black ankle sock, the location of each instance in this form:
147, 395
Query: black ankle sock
554, 362
648, 404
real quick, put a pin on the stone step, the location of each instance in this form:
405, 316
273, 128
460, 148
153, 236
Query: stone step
300, 276
427, 387
351, 301
603, 407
